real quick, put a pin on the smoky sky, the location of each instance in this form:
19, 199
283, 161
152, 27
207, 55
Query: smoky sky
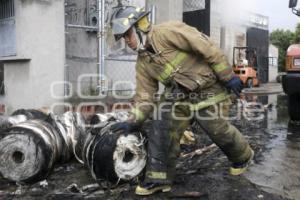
280, 16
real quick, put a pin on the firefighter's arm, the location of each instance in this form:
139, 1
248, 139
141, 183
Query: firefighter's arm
189, 39
146, 87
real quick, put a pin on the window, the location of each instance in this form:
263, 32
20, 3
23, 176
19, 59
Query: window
1, 79
273, 61
192, 5
297, 62
7, 28
7, 9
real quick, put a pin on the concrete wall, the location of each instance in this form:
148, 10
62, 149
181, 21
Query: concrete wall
215, 23
81, 45
167, 10
40, 39
273, 63
226, 34
234, 37
82, 49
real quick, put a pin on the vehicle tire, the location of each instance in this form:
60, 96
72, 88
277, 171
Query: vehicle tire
249, 83
293, 106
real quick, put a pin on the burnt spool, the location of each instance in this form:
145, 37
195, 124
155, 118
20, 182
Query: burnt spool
29, 150
72, 127
30, 114
19, 116
113, 157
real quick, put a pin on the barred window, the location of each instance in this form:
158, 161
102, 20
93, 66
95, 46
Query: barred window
7, 9
7, 29
273, 61
192, 5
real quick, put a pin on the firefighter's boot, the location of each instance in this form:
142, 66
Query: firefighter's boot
156, 170
239, 168
150, 188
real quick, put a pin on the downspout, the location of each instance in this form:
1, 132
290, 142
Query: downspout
153, 14
101, 43
67, 83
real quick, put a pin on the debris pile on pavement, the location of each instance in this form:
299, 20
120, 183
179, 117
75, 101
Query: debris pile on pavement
202, 173
33, 142
29, 148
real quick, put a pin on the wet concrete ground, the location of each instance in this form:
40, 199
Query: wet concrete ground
273, 176
278, 172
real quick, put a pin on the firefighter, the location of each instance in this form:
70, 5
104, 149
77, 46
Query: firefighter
197, 78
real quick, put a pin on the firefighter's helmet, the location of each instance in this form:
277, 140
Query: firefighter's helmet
123, 18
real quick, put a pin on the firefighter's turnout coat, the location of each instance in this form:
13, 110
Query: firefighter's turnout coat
179, 53
182, 54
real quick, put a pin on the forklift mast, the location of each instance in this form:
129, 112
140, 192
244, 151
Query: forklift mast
241, 54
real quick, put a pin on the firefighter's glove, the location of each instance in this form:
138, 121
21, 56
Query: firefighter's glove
235, 85
126, 127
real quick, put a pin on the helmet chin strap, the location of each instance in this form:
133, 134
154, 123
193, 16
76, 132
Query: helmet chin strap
140, 38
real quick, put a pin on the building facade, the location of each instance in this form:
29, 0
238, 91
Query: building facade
32, 53
50, 55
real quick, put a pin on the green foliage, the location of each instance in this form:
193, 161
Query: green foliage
282, 39
297, 34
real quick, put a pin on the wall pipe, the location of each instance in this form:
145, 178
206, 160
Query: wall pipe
101, 41
153, 14
82, 27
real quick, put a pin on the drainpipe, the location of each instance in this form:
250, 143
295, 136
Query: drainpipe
101, 44
153, 14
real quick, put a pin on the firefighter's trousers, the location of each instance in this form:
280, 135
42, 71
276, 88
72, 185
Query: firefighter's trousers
213, 121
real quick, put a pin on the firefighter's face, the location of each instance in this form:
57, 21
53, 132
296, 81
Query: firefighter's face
130, 39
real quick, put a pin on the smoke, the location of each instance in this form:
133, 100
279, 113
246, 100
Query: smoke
234, 12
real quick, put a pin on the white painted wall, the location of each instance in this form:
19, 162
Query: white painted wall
81, 46
215, 23
234, 32
40, 38
167, 10
273, 67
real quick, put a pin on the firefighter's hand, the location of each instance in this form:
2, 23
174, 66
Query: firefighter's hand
127, 127
235, 85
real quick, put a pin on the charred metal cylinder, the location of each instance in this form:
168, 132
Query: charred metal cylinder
19, 116
33, 142
113, 156
30, 149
